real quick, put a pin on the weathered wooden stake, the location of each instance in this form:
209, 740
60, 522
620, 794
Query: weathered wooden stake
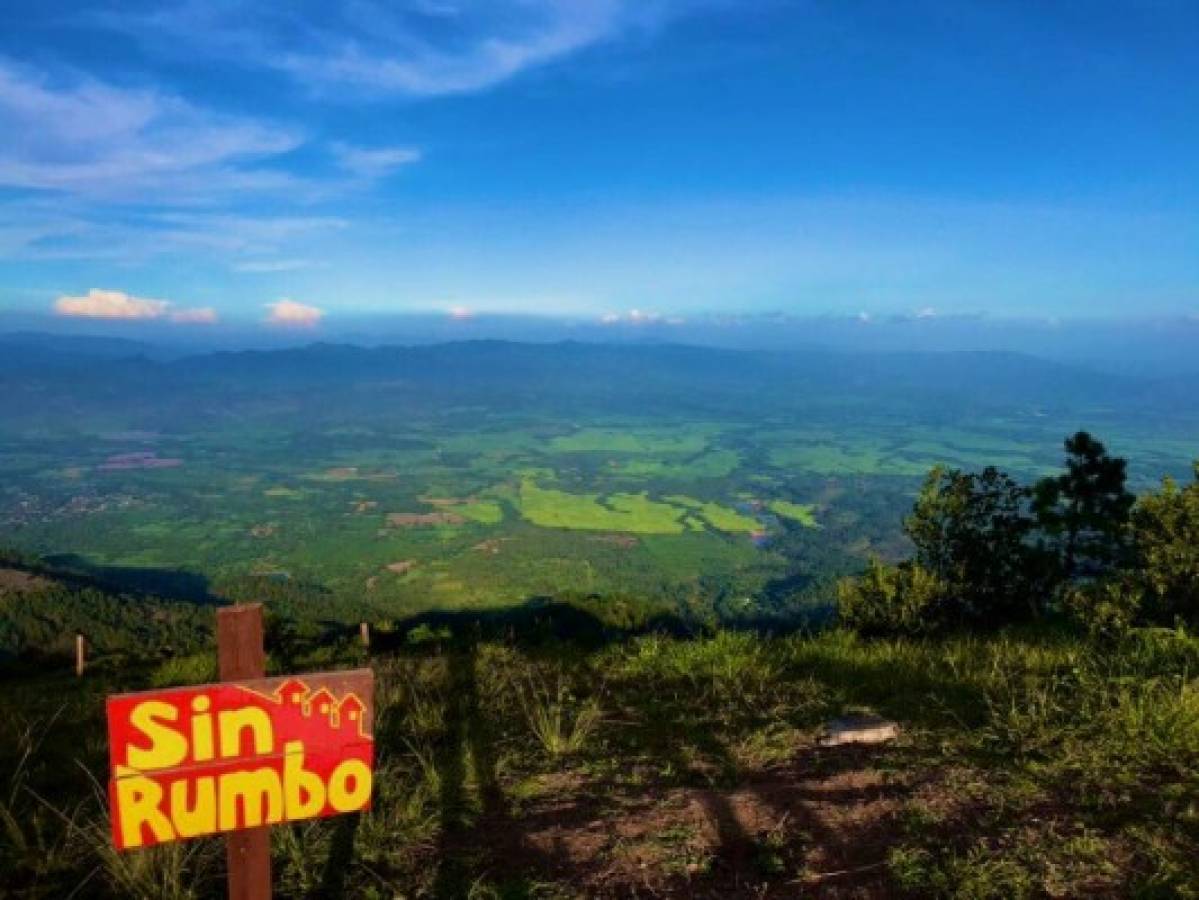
79, 654
364, 631
240, 656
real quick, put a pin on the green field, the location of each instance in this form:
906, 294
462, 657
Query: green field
712, 492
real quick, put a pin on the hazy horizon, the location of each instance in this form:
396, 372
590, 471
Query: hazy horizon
1149, 346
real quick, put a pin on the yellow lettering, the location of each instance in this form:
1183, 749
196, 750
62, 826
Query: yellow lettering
234, 721
199, 817
138, 799
350, 785
167, 746
202, 729
303, 791
254, 789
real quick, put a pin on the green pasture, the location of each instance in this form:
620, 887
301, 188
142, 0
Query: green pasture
634, 513
719, 517
803, 513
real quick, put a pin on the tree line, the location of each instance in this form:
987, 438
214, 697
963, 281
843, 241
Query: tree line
990, 551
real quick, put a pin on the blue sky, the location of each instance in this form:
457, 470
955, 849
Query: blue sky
300, 162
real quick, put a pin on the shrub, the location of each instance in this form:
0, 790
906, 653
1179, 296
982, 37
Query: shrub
1162, 586
903, 599
1108, 607
1165, 528
196, 668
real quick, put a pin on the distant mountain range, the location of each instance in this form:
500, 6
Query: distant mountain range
989, 374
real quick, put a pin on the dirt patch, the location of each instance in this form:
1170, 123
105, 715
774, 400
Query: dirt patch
819, 826
264, 531
403, 567
16, 581
418, 520
362, 506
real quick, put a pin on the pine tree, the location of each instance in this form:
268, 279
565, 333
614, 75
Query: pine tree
1084, 511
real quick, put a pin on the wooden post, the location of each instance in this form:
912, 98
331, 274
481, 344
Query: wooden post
240, 656
364, 631
79, 654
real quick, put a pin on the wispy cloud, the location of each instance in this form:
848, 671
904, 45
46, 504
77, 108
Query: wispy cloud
247, 235
290, 314
82, 136
52, 229
373, 162
414, 49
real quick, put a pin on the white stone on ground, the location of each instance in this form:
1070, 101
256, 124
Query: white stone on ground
859, 730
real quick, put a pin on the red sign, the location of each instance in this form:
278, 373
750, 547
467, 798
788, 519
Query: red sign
196, 761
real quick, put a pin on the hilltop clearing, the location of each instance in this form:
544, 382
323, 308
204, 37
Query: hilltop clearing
1029, 764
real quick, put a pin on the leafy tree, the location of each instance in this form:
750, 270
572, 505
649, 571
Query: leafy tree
971, 531
1165, 530
1084, 511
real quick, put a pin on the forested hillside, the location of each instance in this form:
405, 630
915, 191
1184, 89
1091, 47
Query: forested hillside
43, 608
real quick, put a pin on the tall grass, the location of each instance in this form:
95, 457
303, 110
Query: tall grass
1063, 766
562, 723
35, 837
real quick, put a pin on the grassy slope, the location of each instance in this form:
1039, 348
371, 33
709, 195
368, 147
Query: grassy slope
1030, 765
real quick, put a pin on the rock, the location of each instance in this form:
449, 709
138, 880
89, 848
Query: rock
859, 730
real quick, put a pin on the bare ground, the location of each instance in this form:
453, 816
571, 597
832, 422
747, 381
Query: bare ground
817, 826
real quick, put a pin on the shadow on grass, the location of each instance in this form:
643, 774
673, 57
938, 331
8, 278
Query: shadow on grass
176, 584
466, 843
341, 854
538, 619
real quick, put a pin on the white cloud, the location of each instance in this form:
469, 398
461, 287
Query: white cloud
926, 312
461, 312
290, 314
420, 50
373, 162
201, 315
85, 137
101, 304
